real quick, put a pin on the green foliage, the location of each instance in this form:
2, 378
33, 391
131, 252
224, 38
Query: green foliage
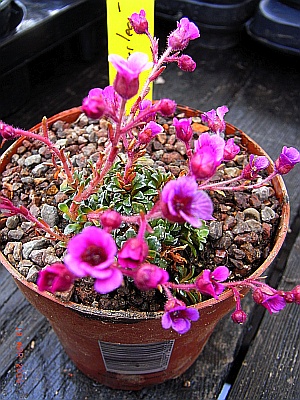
172, 246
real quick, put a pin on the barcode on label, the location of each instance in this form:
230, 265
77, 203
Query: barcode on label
136, 358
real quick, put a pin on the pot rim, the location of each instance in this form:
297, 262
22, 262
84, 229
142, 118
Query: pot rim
71, 115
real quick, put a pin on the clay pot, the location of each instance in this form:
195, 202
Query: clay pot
130, 350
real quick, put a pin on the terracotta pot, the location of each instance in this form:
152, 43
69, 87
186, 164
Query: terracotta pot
130, 350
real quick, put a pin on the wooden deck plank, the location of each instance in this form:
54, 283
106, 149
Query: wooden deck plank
49, 373
271, 368
16, 313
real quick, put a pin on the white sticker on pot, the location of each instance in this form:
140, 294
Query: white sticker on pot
136, 358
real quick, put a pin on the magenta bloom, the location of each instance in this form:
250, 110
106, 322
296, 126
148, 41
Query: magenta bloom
92, 253
180, 37
269, 298
288, 158
178, 317
256, 164
230, 150
139, 22
183, 129
126, 83
148, 276
149, 131
133, 253
209, 152
208, 281
186, 63
55, 278
94, 105
215, 119
181, 201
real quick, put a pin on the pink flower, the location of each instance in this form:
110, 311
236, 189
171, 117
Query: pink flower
215, 119
148, 276
230, 150
183, 129
209, 151
126, 83
92, 253
139, 22
94, 105
178, 317
180, 37
288, 158
269, 298
55, 278
133, 253
208, 281
181, 201
256, 164
186, 63
149, 131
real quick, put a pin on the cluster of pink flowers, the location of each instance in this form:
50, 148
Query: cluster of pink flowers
93, 252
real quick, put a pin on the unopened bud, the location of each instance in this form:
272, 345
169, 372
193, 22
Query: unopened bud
239, 316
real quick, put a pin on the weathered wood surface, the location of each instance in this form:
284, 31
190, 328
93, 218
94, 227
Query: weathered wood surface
274, 356
261, 88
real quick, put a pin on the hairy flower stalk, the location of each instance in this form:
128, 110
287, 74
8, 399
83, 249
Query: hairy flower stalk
7, 208
128, 222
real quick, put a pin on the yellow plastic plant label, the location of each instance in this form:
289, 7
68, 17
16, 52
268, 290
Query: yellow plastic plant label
122, 39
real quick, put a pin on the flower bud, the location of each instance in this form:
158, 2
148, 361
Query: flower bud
289, 297
166, 107
133, 253
186, 63
110, 219
7, 131
139, 22
230, 150
183, 129
94, 105
239, 316
55, 278
296, 293
148, 276
288, 158
258, 296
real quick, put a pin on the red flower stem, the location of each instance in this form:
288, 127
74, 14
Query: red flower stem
181, 286
205, 186
40, 224
240, 187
